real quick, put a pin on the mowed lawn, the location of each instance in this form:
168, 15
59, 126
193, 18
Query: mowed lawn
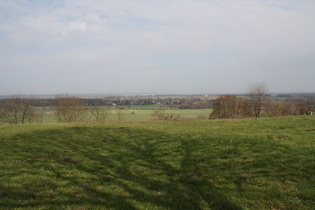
266, 163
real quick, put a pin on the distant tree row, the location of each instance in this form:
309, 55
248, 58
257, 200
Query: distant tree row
257, 102
20, 110
181, 103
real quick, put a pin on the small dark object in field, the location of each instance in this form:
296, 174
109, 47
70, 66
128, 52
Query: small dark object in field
310, 130
67, 160
70, 160
77, 192
281, 137
107, 140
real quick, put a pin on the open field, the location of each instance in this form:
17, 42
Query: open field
140, 113
266, 163
146, 115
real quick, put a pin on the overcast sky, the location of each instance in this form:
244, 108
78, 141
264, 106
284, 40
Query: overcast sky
149, 46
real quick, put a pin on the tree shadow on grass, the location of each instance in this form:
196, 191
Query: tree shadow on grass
121, 168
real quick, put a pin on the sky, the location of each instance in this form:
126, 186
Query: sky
149, 46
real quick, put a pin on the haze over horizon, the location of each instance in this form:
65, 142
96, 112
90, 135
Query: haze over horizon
167, 46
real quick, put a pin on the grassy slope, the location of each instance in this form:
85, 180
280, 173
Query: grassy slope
250, 163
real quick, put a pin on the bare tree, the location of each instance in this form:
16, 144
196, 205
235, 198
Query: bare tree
303, 106
120, 113
17, 110
69, 108
99, 112
159, 112
39, 114
277, 108
257, 92
162, 115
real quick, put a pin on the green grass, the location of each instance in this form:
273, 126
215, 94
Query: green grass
144, 107
140, 113
135, 115
266, 163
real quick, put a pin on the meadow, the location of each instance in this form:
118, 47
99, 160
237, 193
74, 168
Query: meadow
140, 113
264, 163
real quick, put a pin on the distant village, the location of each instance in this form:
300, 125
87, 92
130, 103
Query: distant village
181, 102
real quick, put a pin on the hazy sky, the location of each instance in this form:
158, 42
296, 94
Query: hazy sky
150, 46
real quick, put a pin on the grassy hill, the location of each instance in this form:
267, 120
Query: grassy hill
266, 163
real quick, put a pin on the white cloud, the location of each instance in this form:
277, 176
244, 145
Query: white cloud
168, 25
121, 35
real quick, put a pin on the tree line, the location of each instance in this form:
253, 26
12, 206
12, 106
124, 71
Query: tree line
20, 110
257, 102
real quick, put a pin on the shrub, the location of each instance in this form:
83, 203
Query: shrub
17, 110
99, 112
162, 115
69, 109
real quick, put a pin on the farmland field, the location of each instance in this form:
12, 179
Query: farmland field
266, 163
140, 113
